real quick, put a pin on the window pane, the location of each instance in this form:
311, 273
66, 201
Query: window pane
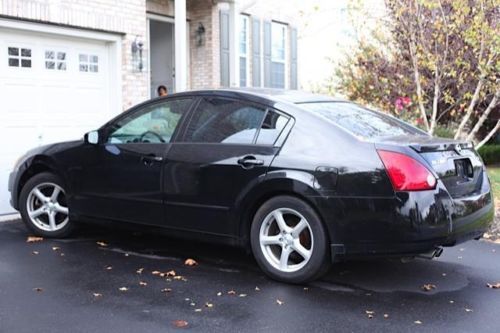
224, 121
93, 68
360, 121
49, 54
84, 68
25, 63
61, 55
243, 35
13, 62
83, 58
26, 52
243, 71
50, 64
61, 66
271, 128
94, 59
278, 42
277, 75
153, 124
13, 51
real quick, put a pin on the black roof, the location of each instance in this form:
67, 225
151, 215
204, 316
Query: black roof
277, 95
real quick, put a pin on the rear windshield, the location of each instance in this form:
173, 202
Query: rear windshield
362, 122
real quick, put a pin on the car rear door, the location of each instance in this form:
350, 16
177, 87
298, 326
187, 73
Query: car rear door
226, 148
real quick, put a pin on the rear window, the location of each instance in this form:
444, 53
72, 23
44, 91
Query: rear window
362, 122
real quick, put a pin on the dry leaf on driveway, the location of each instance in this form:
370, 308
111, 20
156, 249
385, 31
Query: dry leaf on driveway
428, 287
190, 262
493, 285
209, 305
123, 288
34, 239
142, 283
370, 314
96, 295
279, 302
166, 290
418, 322
180, 323
55, 248
38, 289
109, 267
103, 244
231, 292
139, 271
35, 252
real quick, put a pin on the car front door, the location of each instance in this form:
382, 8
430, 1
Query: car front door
122, 175
226, 147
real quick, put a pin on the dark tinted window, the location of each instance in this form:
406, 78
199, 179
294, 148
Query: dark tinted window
271, 128
360, 121
225, 121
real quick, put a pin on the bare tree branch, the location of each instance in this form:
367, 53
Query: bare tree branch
489, 136
493, 103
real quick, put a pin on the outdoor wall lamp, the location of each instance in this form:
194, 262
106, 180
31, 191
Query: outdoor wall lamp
137, 47
200, 34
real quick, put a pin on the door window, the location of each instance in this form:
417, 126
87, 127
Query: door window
271, 128
225, 121
19, 57
152, 124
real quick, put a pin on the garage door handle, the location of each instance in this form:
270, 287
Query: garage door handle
250, 161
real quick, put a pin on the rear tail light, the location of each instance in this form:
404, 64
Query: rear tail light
406, 173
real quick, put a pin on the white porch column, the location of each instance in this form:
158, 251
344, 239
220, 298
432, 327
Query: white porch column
234, 50
180, 45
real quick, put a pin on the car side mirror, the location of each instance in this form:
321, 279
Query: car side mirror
92, 137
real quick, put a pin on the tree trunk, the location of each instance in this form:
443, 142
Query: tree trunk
484, 116
419, 86
489, 136
435, 103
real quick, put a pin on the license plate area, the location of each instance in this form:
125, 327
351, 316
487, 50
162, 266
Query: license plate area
463, 170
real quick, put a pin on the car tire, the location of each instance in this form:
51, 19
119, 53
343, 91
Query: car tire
296, 251
43, 206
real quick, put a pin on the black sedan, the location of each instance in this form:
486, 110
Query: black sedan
304, 180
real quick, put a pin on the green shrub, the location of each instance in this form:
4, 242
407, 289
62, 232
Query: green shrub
444, 132
490, 153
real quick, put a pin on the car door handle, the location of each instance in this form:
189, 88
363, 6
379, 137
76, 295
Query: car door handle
149, 159
250, 161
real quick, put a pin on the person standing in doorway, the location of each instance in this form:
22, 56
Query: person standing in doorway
162, 91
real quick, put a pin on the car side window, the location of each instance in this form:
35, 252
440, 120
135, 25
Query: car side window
224, 121
273, 125
153, 124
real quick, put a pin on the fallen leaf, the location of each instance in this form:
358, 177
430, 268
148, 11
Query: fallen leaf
280, 302
219, 293
197, 310
257, 289
142, 283
209, 305
231, 292
386, 315
493, 285
451, 302
139, 271
55, 248
486, 235
242, 295
126, 254
190, 262
123, 288
444, 274
170, 273
192, 303
97, 295
180, 323
108, 268
306, 288
35, 252
468, 310
103, 244
166, 290
370, 314
38, 289
62, 254
418, 322
34, 239
428, 287
156, 272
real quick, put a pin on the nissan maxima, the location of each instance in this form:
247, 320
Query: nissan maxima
303, 180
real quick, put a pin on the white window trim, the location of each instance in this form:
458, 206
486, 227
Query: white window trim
285, 53
246, 55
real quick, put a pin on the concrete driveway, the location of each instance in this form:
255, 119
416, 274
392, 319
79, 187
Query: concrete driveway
74, 285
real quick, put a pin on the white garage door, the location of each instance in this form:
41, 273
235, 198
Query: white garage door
52, 88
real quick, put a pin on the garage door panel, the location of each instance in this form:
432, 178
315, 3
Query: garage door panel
47, 103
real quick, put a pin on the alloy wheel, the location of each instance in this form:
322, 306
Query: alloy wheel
47, 207
286, 240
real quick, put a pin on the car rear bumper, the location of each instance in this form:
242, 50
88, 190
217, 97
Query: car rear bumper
408, 224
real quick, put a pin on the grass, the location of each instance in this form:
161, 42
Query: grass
494, 173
